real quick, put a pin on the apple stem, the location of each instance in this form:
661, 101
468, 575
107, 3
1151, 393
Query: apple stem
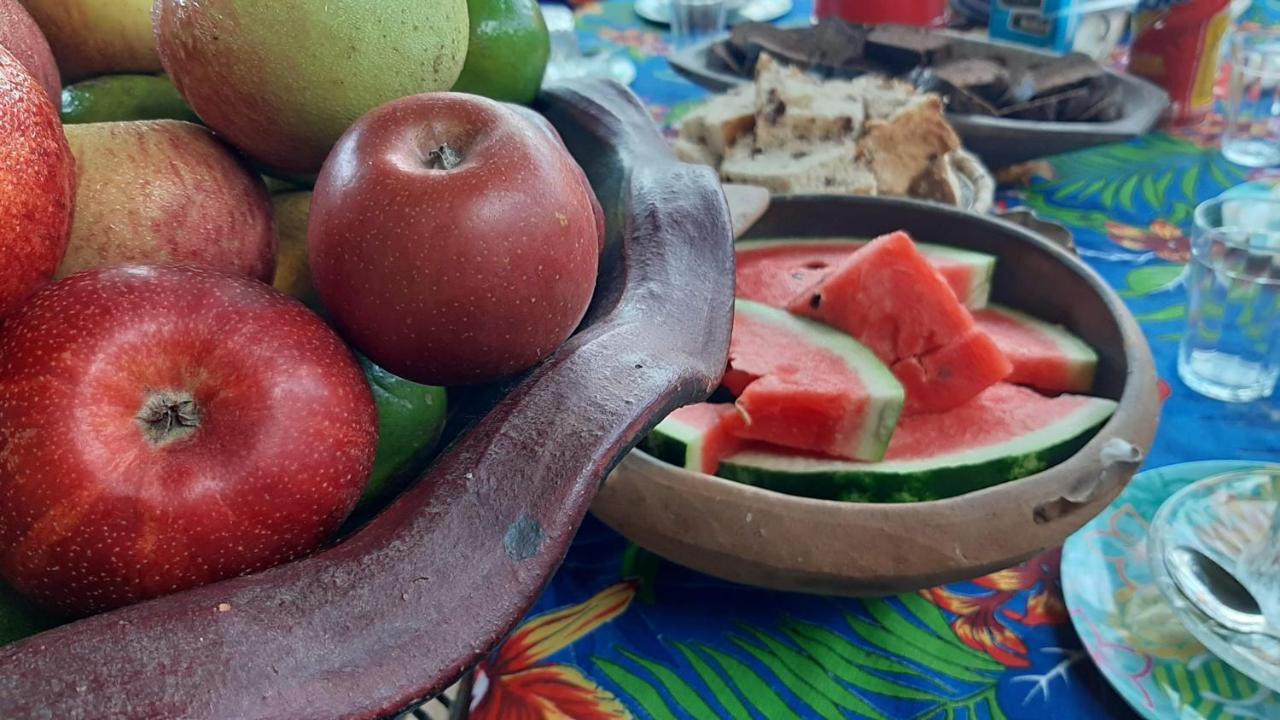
168, 416
443, 158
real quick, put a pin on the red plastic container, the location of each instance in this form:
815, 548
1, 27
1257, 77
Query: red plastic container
1176, 45
924, 13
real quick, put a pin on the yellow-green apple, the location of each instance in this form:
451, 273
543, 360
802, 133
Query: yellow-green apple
155, 191
211, 426
283, 80
97, 37
293, 271
37, 185
486, 259
20, 35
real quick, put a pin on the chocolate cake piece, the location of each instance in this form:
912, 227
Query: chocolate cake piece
983, 77
902, 47
795, 46
839, 44
1104, 103
725, 56
957, 99
1068, 71
1046, 108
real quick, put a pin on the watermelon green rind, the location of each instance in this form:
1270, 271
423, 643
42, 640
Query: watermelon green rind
1082, 358
885, 394
933, 478
982, 264
676, 442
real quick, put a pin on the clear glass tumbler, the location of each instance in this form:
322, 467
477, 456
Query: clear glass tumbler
693, 21
1231, 350
1252, 133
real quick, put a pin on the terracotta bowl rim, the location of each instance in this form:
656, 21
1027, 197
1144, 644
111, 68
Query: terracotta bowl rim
1134, 344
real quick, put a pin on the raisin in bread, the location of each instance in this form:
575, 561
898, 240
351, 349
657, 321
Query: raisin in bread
716, 125
793, 109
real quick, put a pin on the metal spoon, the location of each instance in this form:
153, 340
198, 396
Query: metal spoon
1216, 592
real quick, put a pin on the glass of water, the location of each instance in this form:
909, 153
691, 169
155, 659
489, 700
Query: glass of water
1252, 133
693, 21
1231, 350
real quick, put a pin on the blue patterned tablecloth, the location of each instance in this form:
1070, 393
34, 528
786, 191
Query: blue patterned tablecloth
621, 633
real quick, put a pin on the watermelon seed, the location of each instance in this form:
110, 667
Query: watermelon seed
816, 265
815, 301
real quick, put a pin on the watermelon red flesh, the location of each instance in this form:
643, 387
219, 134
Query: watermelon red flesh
1043, 355
775, 271
1005, 433
697, 436
806, 386
888, 296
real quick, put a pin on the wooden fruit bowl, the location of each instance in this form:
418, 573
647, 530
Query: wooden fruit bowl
397, 611
759, 537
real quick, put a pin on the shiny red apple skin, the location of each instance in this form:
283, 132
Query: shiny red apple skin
460, 275
101, 503
37, 185
21, 36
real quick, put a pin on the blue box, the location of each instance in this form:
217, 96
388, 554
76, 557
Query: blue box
1049, 24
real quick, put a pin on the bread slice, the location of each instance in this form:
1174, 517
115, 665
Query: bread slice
905, 146
822, 168
938, 182
881, 97
720, 122
695, 153
793, 109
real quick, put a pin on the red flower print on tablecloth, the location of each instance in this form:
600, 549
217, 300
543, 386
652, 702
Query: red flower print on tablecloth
516, 685
980, 619
1163, 238
644, 41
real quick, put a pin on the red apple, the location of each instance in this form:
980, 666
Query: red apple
21, 36
37, 185
166, 191
165, 427
452, 239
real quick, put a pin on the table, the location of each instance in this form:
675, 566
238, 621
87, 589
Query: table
622, 633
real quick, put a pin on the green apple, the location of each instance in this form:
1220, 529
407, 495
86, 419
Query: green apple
97, 37
112, 98
411, 418
19, 617
283, 80
508, 51
293, 272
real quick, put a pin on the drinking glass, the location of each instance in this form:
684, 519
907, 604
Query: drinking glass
695, 20
1252, 133
1231, 350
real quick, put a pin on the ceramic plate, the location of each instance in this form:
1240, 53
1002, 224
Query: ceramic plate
659, 11
997, 141
1220, 517
1130, 631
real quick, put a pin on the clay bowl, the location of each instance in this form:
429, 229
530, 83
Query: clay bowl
763, 538
400, 608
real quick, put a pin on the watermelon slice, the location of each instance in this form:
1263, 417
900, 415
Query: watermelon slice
888, 296
1006, 433
1043, 355
697, 437
807, 386
775, 271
